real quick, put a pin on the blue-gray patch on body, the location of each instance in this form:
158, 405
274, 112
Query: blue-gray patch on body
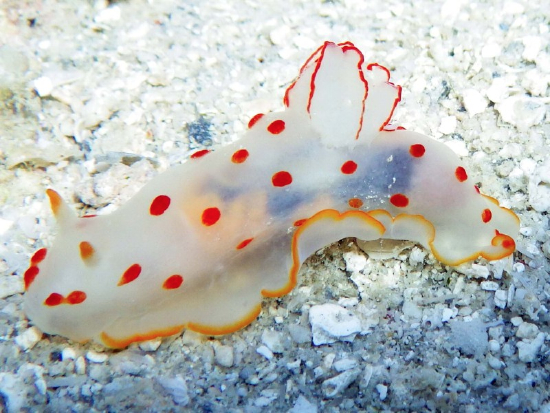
379, 175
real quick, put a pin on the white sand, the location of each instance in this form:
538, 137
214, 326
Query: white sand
97, 99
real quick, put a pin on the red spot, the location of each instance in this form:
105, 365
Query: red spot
159, 205
299, 222
255, 119
505, 241
282, 178
200, 153
39, 256
89, 216
509, 244
461, 174
240, 156
30, 275
417, 150
76, 297
173, 282
86, 250
399, 200
355, 203
276, 127
486, 215
244, 243
210, 216
130, 274
348, 167
400, 128
477, 189
54, 299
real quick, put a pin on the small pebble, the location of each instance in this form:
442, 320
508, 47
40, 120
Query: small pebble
382, 391
528, 350
43, 86
512, 403
68, 353
28, 338
264, 351
80, 365
479, 271
522, 111
96, 357
303, 405
447, 125
330, 323
294, 366
501, 298
177, 388
344, 364
299, 334
354, 262
516, 321
150, 345
273, 340
224, 355
527, 330
336, 385
109, 14
489, 285
447, 314
474, 102
494, 346
495, 363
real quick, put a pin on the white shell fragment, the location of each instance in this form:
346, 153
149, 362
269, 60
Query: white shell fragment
330, 323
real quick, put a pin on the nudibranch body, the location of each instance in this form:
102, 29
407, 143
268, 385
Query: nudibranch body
201, 244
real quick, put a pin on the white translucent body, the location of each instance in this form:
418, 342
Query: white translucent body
332, 117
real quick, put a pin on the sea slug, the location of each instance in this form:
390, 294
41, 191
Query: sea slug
201, 244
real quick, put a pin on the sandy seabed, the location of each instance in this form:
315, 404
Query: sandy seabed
98, 97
